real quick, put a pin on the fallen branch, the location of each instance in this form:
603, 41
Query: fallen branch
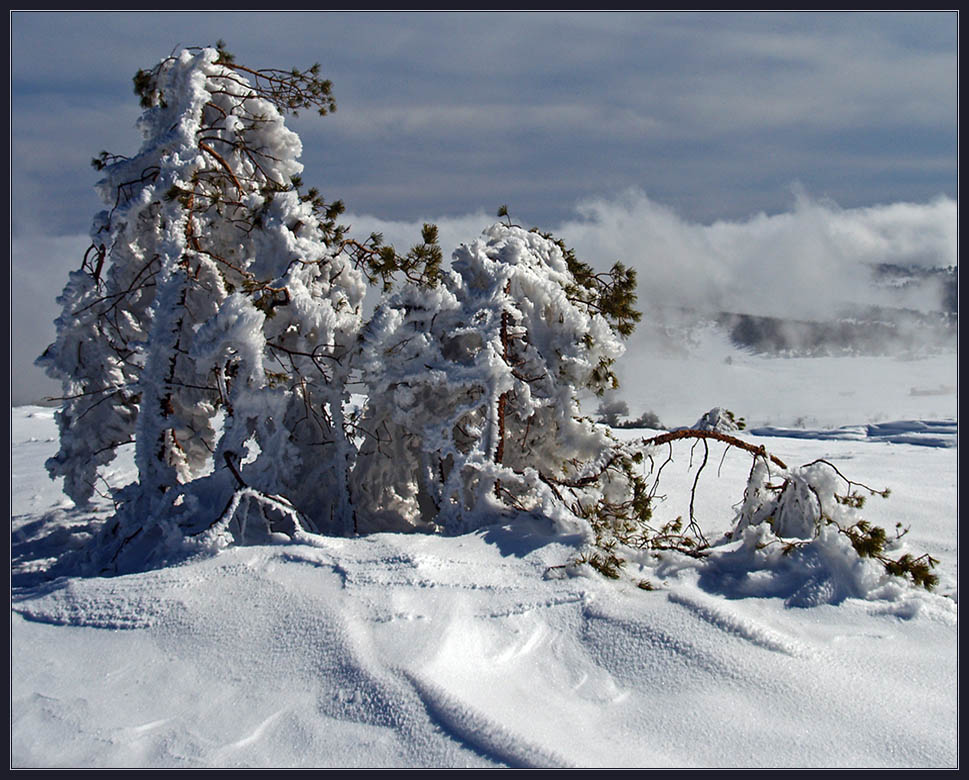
692, 433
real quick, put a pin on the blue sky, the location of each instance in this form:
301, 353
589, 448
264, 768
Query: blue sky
712, 114
446, 116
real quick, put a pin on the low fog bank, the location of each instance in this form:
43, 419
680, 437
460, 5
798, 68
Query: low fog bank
814, 280
814, 262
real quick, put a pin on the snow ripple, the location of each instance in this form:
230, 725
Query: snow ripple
481, 733
719, 616
923, 433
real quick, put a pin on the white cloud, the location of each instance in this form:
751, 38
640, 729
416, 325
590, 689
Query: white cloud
810, 262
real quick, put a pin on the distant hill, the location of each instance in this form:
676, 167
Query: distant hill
870, 330
908, 276
873, 331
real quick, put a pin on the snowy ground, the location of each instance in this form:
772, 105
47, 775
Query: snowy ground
427, 651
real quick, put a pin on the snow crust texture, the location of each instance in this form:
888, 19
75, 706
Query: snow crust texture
416, 650
404, 651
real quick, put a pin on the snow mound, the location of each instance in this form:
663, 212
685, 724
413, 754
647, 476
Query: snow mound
415, 650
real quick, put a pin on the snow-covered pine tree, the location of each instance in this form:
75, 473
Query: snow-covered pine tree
473, 387
212, 325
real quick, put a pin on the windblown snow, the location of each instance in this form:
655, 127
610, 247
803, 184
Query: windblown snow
419, 650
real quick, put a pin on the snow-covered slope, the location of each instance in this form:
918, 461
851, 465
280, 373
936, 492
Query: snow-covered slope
430, 651
704, 369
